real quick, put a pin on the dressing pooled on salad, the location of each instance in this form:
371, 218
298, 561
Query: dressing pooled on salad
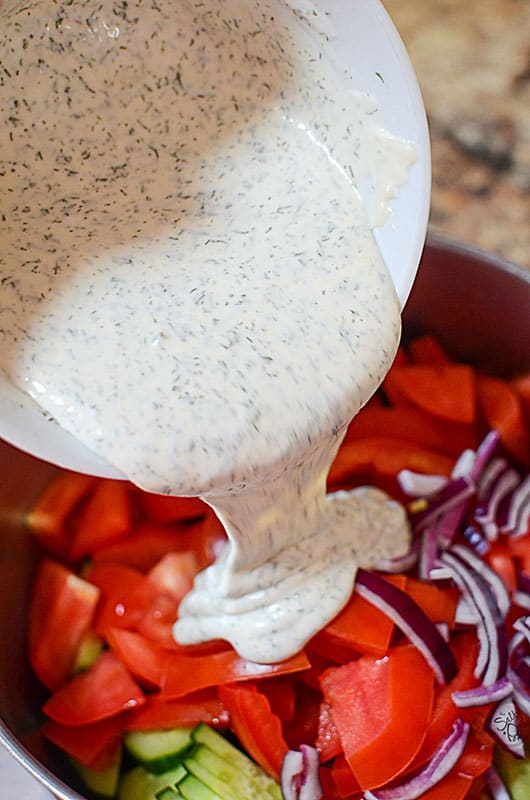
190, 283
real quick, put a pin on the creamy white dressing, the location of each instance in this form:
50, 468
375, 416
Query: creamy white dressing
190, 283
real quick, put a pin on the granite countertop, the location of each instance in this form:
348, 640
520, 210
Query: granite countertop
472, 60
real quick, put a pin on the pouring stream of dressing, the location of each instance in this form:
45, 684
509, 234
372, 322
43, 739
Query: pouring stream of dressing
191, 285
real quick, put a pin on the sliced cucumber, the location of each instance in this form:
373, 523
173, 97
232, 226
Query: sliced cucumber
193, 789
168, 793
161, 750
515, 773
139, 784
103, 783
226, 770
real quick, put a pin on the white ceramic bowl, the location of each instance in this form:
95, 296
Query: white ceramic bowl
368, 47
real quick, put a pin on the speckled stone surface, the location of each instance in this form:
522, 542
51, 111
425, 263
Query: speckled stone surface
472, 60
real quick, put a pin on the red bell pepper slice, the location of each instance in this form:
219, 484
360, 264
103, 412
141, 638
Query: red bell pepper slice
439, 604
410, 424
327, 741
62, 610
104, 690
427, 349
187, 674
503, 412
447, 390
445, 713
380, 713
386, 457
360, 627
256, 727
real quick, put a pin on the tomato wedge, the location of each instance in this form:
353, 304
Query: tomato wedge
380, 713
146, 660
49, 515
256, 727
125, 595
159, 713
62, 610
106, 517
104, 690
86, 743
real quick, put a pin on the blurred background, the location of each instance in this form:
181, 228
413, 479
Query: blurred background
472, 59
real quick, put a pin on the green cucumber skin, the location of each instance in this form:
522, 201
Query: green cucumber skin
139, 784
212, 769
159, 751
102, 784
193, 789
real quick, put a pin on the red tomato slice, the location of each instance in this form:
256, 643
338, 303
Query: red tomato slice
104, 690
106, 517
86, 743
256, 727
174, 573
126, 594
49, 515
381, 708
187, 674
62, 610
158, 713
146, 660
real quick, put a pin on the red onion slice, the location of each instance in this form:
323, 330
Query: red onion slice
484, 453
444, 759
428, 554
493, 580
411, 619
400, 563
299, 778
520, 691
518, 511
483, 695
416, 484
493, 651
432, 508
489, 501
502, 725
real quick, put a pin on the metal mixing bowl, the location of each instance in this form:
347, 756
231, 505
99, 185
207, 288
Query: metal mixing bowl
478, 306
